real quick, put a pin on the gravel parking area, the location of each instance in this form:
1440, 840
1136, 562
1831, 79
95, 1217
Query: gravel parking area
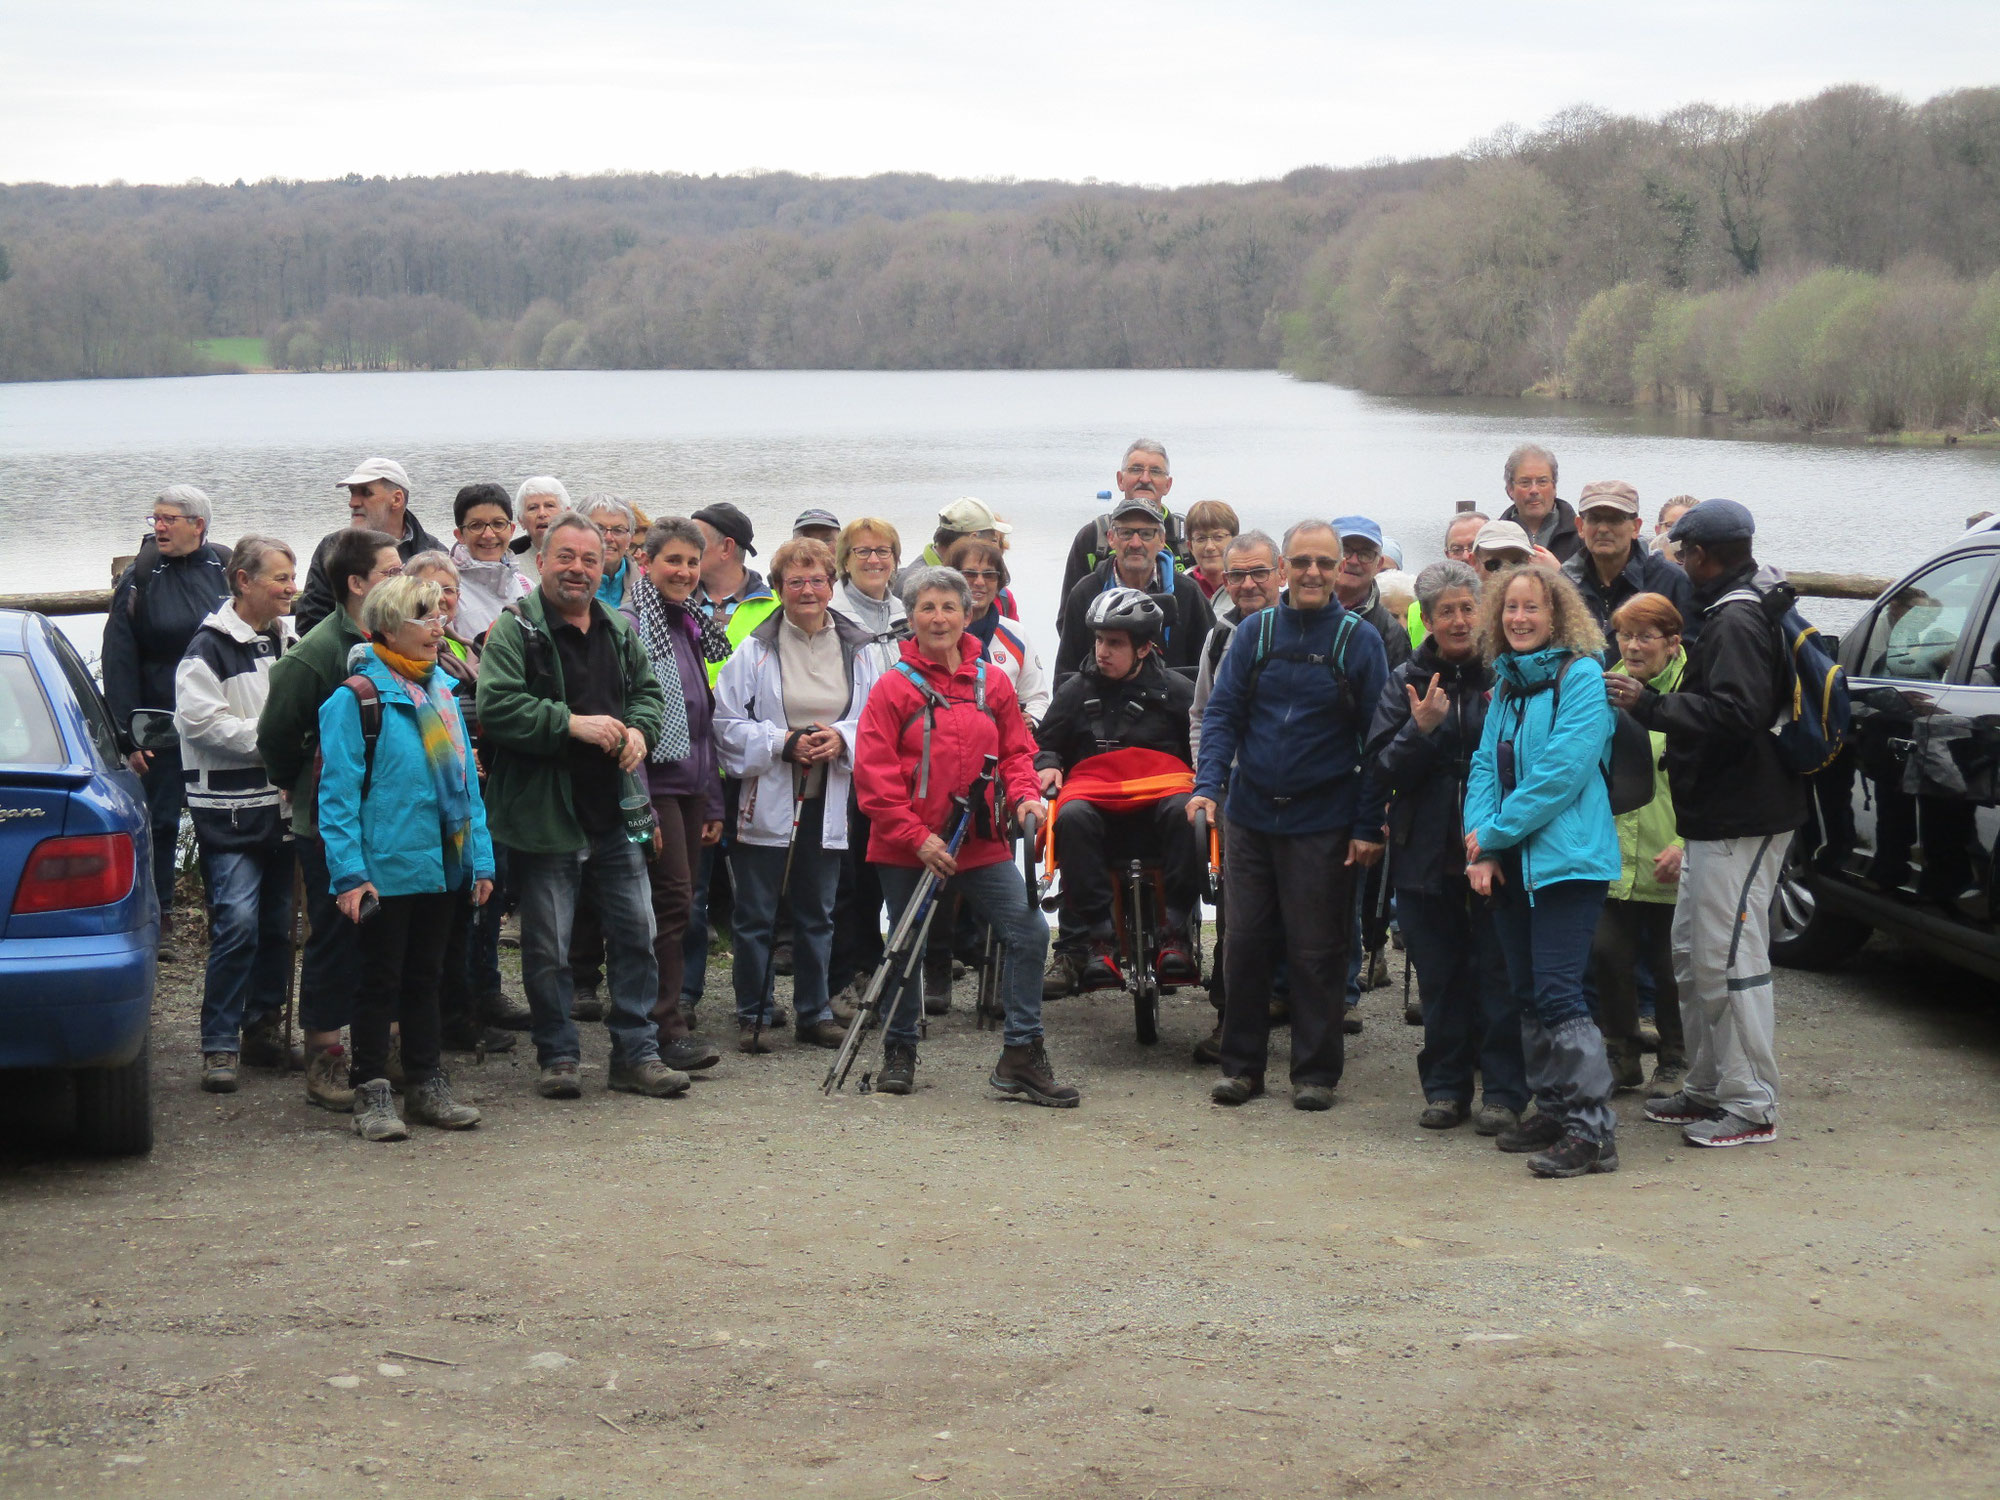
755, 1290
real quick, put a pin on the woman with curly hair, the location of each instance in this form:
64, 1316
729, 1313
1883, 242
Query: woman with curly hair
1541, 845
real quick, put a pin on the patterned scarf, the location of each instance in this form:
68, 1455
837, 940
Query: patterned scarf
444, 751
656, 634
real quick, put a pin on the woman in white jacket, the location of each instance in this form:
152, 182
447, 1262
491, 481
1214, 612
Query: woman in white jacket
787, 713
243, 833
985, 568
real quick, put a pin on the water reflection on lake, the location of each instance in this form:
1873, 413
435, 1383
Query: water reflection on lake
80, 462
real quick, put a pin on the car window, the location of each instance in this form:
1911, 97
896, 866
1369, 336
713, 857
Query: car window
28, 733
1985, 665
96, 718
1916, 630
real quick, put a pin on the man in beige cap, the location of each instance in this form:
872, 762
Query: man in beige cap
962, 518
378, 499
1615, 564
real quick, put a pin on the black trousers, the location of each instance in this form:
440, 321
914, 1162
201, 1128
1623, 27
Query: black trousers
1088, 842
402, 955
1289, 894
857, 910
331, 971
1627, 932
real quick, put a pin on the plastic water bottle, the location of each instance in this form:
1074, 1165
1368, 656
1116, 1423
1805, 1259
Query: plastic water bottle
635, 805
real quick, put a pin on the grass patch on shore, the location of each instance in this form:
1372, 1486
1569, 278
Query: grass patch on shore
248, 352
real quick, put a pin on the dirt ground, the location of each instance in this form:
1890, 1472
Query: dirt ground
755, 1290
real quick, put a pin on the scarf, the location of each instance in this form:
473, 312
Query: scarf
656, 634
444, 752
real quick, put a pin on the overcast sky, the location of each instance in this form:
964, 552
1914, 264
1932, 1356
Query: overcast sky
1161, 92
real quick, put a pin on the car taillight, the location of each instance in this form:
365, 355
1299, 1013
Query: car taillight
64, 874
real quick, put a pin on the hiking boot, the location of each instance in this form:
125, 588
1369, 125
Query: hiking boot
1531, 1133
1024, 1073
1279, 1012
510, 930
1730, 1129
937, 984
586, 1005
264, 1045
218, 1072
1413, 1012
1350, 1020
1240, 1090
899, 1070
752, 1039
167, 952
781, 958
1208, 1051
1176, 962
1100, 967
690, 1053
1667, 1075
650, 1077
1375, 971
1649, 1035
1677, 1109
1573, 1156
561, 1079
431, 1103
326, 1079
1444, 1114
375, 1117
463, 1034
844, 1005
1064, 975
508, 1012
394, 1066
1313, 1096
1494, 1118
1628, 1067
820, 1034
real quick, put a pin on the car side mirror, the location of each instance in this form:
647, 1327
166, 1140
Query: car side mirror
1831, 641
153, 729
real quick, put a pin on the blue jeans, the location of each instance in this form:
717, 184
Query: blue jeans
1548, 952
757, 869
1471, 1017
249, 941
610, 875
999, 894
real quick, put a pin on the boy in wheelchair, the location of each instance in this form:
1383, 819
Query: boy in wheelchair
1126, 706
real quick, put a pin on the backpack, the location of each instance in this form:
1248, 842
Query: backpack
1821, 716
1627, 767
1335, 660
370, 698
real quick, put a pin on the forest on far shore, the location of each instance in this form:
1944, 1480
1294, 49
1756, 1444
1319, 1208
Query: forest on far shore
1833, 262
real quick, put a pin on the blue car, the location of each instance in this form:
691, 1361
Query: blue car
79, 921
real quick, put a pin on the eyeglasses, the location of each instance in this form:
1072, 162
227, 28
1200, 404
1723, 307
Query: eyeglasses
429, 622
980, 575
165, 520
1247, 575
1203, 538
447, 591
872, 554
1460, 551
1366, 551
808, 583
488, 526
1147, 471
1643, 638
620, 532
1135, 533
1306, 561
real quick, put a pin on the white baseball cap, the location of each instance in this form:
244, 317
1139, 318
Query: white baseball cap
372, 469
969, 515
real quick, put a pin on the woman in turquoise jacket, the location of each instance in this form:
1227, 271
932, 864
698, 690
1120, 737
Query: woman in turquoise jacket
405, 836
1540, 843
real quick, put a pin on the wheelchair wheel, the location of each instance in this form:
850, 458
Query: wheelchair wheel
1146, 1009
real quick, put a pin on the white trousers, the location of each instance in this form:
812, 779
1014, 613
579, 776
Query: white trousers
1722, 963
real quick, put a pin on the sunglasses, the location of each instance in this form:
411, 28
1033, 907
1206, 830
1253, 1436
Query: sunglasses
1306, 560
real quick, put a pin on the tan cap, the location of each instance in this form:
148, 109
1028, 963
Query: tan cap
372, 469
969, 515
1608, 494
1503, 536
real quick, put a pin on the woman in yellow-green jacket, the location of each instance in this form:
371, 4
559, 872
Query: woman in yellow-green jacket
1639, 908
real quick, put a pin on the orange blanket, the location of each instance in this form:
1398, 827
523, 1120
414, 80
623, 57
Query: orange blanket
1119, 781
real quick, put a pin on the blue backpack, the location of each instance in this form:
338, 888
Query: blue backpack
1820, 717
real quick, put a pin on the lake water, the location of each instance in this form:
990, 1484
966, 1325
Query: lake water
81, 461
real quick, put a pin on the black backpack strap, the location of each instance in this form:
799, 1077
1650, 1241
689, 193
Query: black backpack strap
370, 698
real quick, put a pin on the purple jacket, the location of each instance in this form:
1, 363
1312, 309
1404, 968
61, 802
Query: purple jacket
699, 773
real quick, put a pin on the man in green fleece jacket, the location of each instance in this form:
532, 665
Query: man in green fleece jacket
288, 740
569, 710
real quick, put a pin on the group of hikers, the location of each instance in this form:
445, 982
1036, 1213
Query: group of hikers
599, 735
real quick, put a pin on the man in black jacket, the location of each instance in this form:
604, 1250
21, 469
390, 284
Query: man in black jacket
177, 581
378, 499
1425, 732
1142, 474
1614, 564
1126, 699
1142, 562
1532, 505
1737, 805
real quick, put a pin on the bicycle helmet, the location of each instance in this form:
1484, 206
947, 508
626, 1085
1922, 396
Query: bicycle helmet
1129, 610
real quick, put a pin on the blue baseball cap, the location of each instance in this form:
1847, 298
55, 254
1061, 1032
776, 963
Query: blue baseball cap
1715, 521
1349, 527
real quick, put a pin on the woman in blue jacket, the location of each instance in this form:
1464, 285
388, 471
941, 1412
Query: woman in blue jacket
1541, 844
405, 835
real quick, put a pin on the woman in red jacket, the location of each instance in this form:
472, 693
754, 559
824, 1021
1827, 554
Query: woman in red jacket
930, 723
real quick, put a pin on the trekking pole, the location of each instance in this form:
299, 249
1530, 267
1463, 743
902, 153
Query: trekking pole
900, 954
297, 934
784, 883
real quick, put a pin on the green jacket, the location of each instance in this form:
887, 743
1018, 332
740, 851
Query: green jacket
751, 613
288, 728
524, 724
1643, 834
